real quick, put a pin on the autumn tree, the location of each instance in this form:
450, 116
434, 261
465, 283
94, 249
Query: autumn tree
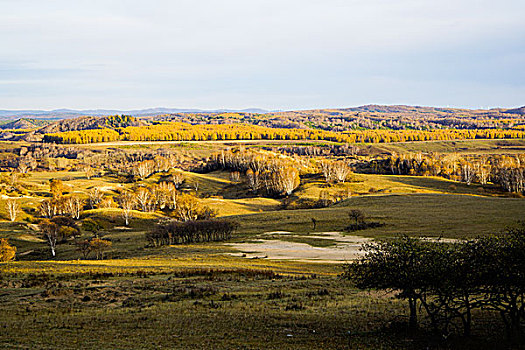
158, 197
189, 208
99, 246
107, 202
56, 188
170, 194
235, 176
7, 251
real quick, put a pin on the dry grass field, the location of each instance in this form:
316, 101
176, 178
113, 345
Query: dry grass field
222, 295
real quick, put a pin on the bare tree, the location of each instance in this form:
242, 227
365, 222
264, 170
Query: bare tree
50, 231
341, 171
195, 185
73, 206
48, 208
235, 176
13, 178
177, 178
127, 202
337, 171
144, 169
467, 173
482, 170
12, 208
254, 180
143, 197
23, 167
95, 197
357, 215
287, 180
89, 171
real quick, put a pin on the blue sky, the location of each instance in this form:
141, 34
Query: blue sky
273, 54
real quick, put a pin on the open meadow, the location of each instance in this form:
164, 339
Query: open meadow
275, 283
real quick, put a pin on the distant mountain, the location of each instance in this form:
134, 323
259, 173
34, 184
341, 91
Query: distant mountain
73, 113
520, 110
403, 109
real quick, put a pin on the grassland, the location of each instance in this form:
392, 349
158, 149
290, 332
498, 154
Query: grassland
457, 146
423, 206
199, 296
498, 146
202, 309
452, 216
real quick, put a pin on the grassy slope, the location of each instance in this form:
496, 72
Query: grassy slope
424, 206
240, 307
222, 311
419, 214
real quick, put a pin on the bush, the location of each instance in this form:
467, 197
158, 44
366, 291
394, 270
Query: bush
7, 251
176, 232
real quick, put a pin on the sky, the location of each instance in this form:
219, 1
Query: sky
271, 54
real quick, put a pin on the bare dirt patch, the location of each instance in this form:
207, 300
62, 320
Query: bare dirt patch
347, 248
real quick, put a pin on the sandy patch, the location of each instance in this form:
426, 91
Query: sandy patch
347, 248
334, 236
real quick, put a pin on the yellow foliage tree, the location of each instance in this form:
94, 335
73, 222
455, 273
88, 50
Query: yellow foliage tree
7, 251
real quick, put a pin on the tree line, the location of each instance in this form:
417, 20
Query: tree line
504, 170
195, 231
177, 131
272, 174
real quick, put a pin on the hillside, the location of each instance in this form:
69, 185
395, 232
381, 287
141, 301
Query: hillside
372, 123
24, 123
363, 117
89, 123
520, 111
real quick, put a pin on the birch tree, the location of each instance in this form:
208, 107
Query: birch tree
13, 208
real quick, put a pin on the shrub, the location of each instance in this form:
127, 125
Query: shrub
176, 232
7, 251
